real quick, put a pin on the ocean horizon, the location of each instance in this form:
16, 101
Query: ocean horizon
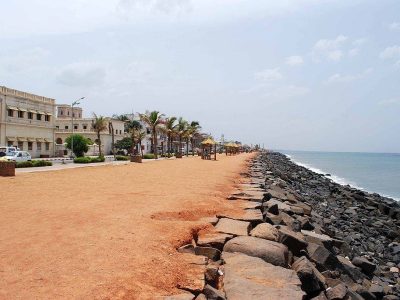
371, 172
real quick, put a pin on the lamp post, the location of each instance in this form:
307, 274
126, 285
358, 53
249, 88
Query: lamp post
77, 102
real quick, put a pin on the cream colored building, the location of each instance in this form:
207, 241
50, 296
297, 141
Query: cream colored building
27, 122
68, 118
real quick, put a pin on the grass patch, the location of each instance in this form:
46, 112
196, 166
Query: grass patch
33, 164
89, 160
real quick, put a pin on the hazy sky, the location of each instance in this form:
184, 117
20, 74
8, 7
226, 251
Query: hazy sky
300, 74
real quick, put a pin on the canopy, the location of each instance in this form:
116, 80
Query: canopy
12, 107
230, 145
208, 141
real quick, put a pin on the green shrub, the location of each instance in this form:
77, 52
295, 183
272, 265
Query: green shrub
121, 157
148, 156
89, 160
80, 144
33, 163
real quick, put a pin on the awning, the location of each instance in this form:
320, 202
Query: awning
22, 109
39, 140
49, 114
21, 139
30, 139
41, 112
11, 138
12, 107
47, 140
32, 111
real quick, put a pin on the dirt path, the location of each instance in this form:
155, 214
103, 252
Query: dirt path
107, 232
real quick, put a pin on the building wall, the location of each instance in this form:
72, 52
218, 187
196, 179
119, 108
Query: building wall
23, 129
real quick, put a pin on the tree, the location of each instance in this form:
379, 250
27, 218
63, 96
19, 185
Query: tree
169, 129
80, 144
154, 121
99, 124
124, 144
141, 135
194, 133
133, 127
180, 131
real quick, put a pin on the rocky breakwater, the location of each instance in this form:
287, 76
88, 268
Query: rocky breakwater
299, 236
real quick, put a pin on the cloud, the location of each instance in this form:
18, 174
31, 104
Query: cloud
339, 78
82, 74
287, 91
268, 75
353, 52
390, 101
24, 60
294, 60
329, 48
360, 41
164, 6
390, 52
395, 26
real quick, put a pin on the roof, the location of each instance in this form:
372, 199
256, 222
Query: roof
208, 141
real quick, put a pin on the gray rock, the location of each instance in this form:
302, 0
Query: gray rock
185, 296
350, 269
249, 277
201, 297
271, 252
376, 290
316, 238
324, 259
212, 293
321, 296
336, 293
209, 252
214, 239
233, 227
254, 216
293, 240
312, 281
265, 231
365, 265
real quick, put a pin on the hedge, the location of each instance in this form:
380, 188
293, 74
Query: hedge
148, 156
121, 157
33, 164
89, 160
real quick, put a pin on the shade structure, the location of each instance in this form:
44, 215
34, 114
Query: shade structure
208, 141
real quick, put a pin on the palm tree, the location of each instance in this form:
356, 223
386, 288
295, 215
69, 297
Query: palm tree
194, 128
169, 128
154, 120
141, 135
99, 124
133, 127
180, 130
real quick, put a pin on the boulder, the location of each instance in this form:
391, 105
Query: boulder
316, 238
336, 293
249, 277
265, 231
271, 252
351, 270
324, 259
209, 252
184, 296
293, 240
212, 293
214, 239
233, 227
312, 281
365, 265
254, 216
377, 290
321, 296
272, 219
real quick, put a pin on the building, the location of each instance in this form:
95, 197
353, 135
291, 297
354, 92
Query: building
68, 118
27, 122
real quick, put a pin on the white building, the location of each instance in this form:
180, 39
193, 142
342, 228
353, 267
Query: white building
27, 122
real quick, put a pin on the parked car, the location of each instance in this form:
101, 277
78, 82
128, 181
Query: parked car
19, 156
7, 151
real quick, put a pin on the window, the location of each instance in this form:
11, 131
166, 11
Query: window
120, 132
21, 145
47, 146
30, 115
61, 112
59, 141
10, 113
39, 146
79, 115
75, 127
30, 145
66, 127
84, 127
39, 117
116, 131
47, 118
20, 114
68, 113
73, 115
57, 127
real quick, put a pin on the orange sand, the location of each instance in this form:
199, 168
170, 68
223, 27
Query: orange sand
108, 232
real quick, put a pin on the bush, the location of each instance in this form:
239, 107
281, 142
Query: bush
121, 157
89, 160
33, 163
80, 144
148, 156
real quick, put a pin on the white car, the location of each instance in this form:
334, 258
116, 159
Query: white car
19, 156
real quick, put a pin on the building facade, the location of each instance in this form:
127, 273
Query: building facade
69, 118
27, 122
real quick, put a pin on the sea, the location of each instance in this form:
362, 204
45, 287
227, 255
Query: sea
371, 172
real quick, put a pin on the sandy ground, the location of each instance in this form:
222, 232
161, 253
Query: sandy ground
108, 232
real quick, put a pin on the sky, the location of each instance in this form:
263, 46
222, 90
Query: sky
289, 74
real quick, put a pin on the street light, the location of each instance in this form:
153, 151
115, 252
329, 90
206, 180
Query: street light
77, 102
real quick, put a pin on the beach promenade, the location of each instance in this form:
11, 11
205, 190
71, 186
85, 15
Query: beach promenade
110, 231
